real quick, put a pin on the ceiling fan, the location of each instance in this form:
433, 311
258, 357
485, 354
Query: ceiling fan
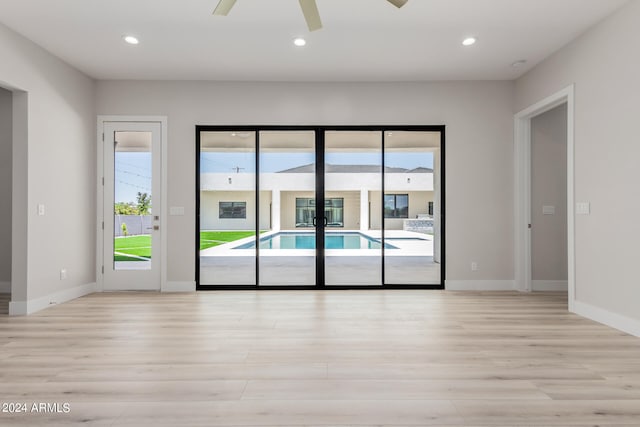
309, 10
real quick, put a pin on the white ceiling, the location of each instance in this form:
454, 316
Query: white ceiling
362, 40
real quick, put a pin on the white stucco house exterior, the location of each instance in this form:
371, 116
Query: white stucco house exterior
355, 191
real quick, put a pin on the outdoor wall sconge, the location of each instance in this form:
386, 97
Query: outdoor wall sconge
229, 178
408, 180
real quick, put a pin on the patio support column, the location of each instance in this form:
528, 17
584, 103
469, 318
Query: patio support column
275, 210
364, 210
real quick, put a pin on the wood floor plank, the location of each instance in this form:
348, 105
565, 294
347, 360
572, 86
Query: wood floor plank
453, 371
302, 413
549, 412
123, 391
391, 390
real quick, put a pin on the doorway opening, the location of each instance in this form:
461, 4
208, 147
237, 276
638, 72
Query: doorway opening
6, 192
523, 121
549, 200
330, 207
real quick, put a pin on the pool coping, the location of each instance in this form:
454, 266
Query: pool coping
229, 249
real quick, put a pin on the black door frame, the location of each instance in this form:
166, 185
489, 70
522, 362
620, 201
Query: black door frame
320, 228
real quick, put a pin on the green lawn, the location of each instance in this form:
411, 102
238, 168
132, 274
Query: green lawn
209, 239
138, 248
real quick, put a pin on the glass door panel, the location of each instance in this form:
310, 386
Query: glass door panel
132, 219
227, 234
288, 214
352, 210
411, 208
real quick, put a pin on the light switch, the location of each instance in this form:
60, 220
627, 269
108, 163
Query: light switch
583, 208
176, 210
548, 210
40, 209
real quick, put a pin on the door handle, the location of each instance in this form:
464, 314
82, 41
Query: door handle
314, 221
155, 227
326, 221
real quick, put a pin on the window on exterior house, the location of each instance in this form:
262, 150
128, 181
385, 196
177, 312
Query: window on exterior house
334, 212
233, 210
306, 211
396, 206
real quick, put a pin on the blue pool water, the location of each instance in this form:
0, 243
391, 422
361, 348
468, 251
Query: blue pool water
308, 241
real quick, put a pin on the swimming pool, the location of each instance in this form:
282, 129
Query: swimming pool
298, 240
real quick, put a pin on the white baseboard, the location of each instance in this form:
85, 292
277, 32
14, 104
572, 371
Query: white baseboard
21, 308
600, 315
179, 287
549, 285
5, 287
480, 285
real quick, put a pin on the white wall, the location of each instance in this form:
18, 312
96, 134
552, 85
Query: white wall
56, 168
604, 64
549, 188
478, 116
6, 130
394, 182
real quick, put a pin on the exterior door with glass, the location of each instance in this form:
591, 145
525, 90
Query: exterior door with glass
131, 219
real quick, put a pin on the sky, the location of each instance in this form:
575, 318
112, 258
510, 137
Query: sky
132, 174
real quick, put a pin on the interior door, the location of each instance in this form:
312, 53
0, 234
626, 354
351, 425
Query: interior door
131, 216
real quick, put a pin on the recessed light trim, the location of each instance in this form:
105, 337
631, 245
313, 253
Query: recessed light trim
299, 41
469, 41
131, 39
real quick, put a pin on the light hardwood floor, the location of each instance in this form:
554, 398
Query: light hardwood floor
4, 304
333, 358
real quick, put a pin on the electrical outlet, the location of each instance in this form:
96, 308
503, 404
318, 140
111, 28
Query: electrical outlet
474, 266
63, 274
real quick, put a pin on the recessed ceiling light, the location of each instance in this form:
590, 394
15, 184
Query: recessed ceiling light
131, 39
469, 41
299, 41
519, 63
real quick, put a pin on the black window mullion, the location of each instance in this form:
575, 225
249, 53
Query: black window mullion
320, 186
382, 171
257, 151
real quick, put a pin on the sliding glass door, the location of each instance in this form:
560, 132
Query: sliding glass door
326, 207
227, 214
287, 180
353, 183
412, 206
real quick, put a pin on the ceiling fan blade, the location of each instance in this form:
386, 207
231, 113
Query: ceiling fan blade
224, 7
311, 14
398, 3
